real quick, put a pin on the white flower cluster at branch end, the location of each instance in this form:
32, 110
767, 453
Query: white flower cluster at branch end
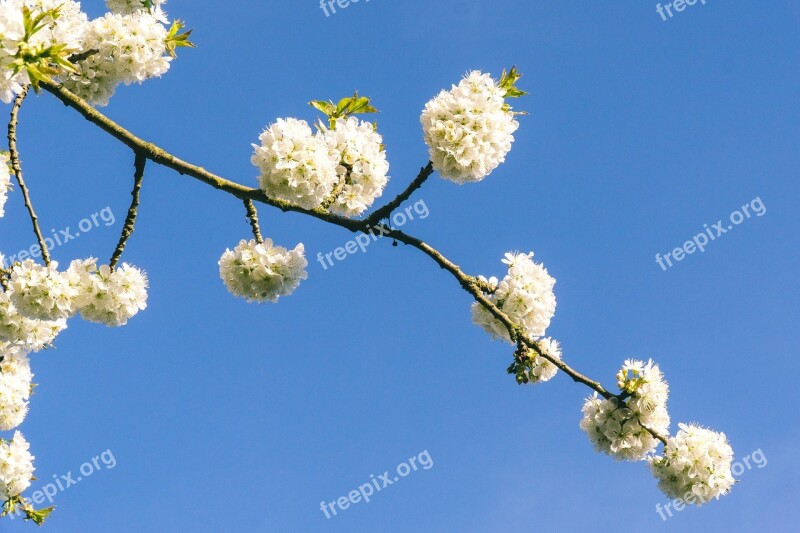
16, 467
127, 49
469, 129
525, 294
262, 272
5, 181
620, 428
696, 461
15, 385
362, 165
110, 297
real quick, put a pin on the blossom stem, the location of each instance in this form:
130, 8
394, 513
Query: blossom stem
130, 220
16, 166
252, 216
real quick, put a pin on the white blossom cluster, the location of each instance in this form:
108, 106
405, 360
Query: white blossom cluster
262, 272
128, 45
362, 164
469, 129
695, 461
620, 428
106, 296
125, 48
30, 334
15, 385
295, 164
525, 295
5, 181
16, 466
42, 292
129, 7
65, 29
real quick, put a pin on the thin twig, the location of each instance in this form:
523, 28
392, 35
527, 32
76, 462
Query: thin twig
386, 211
252, 216
16, 166
130, 220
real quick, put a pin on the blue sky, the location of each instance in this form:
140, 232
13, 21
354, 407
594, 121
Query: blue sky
224, 416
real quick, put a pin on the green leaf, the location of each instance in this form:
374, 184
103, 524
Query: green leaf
38, 516
178, 40
325, 107
508, 82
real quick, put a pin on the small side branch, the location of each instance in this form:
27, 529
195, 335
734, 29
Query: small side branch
252, 217
386, 210
16, 166
130, 220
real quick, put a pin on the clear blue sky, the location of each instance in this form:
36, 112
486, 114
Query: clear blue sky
224, 416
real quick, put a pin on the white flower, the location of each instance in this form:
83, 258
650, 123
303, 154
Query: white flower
42, 292
5, 182
541, 368
109, 297
262, 272
65, 29
525, 295
15, 386
620, 428
362, 163
125, 49
696, 461
127, 7
295, 164
469, 129
16, 467
29, 334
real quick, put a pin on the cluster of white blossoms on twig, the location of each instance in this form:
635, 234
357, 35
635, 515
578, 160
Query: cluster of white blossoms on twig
55, 39
333, 169
469, 129
624, 429
262, 272
695, 461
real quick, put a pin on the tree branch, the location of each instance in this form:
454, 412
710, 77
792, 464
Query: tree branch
130, 220
386, 211
470, 284
16, 166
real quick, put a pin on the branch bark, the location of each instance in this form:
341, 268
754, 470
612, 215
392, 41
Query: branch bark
16, 166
